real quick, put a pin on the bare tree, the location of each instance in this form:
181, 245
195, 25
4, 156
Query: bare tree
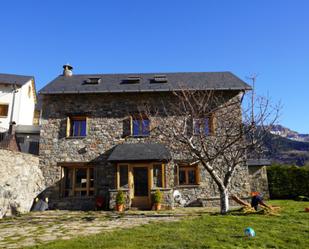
212, 128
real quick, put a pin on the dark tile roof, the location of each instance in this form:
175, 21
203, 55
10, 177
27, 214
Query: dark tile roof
14, 79
139, 152
258, 162
121, 83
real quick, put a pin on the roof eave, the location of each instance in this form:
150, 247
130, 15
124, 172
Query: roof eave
142, 90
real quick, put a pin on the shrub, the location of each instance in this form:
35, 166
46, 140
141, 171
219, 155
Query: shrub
288, 182
157, 196
120, 198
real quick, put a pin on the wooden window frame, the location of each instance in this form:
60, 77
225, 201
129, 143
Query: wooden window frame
162, 174
118, 175
69, 128
74, 188
186, 169
7, 111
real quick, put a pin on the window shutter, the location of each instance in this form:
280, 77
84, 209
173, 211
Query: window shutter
189, 127
213, 124
127, 127
176, 175
68, 130
198, 177
153, 124
87, 126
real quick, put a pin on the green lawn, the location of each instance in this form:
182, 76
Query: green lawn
289, 230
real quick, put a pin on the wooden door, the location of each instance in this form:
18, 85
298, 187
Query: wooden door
141, 187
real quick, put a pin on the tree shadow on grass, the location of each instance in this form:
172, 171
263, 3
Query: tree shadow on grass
241, 212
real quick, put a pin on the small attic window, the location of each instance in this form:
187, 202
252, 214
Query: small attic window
92, 81
132, 80
159, 79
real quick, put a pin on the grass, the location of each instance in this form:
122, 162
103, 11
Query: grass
288, 230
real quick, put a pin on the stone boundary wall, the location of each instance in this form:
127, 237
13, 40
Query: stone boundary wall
20, 182
258, 180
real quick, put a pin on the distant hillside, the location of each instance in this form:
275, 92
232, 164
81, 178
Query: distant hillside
287, 133
285, 150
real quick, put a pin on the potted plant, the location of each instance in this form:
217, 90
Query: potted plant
157, 198
120, 200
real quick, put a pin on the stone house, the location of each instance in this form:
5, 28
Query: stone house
93, 144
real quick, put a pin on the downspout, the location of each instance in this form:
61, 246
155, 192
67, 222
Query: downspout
12, 110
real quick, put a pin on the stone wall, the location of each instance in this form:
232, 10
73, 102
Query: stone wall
21, 181
167, 197
206, 193
258, 180
106, 115
112, 198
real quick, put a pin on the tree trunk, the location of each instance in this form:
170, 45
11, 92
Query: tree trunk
224, 201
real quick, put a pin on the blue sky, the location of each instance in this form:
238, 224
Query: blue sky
270, 38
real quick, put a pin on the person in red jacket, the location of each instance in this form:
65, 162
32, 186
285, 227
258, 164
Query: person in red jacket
257, 200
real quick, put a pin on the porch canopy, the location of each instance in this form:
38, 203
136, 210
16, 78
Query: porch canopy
139, 152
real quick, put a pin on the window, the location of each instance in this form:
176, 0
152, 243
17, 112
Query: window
131, 80
4, 109
78, 181
123, 175
204, 126
92, 81
140, 127
76, 127
159, 79
158, 175
34, 147
188, 175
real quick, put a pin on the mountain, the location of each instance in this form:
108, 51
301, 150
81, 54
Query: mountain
285, 146
287, 133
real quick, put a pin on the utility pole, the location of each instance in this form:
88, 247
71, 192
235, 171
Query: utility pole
253, 79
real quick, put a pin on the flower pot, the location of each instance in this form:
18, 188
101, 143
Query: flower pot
157, 206
119, 207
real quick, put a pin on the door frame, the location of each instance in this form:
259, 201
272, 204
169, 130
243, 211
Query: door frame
149, 166
150, 181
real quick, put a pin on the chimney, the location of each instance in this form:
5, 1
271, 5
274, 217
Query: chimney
67, 70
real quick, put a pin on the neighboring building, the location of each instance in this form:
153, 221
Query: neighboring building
93, 144
258, 175
28, 138
17, 100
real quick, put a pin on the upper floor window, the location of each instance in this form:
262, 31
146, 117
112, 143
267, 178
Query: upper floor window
140, 126
204, 126
76, 126
4, 109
